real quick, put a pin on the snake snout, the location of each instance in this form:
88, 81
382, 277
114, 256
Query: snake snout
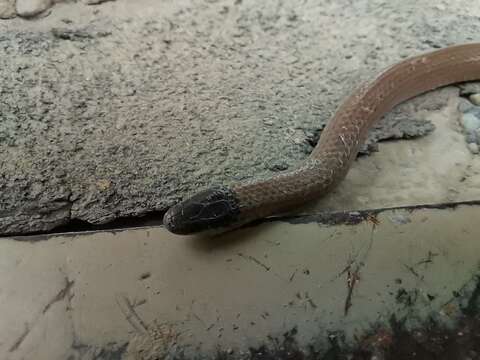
212, 208
170, 220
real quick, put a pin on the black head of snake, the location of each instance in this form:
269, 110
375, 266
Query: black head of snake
208, 209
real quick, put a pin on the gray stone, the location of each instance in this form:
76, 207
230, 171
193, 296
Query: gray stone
475, 99
464, 105
470, 122
473, 148
7, 9
471, 137
32, 8
477, 134
469, 88
277, 166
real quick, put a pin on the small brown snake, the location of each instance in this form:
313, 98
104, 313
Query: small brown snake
339, 143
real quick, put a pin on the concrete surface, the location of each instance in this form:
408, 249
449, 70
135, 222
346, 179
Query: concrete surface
121, 109
144, 293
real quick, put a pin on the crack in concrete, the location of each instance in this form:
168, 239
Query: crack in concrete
130, 314
58, 297
353, 217
254, 260
20, 339
353, 276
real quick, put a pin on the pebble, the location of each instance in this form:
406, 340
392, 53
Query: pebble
469, 88
464, 105
470, 122
31, 8
475, 99
473, 147
277, 166
7, 9
471, 137
477, 133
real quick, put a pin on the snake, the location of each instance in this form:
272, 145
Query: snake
221, 208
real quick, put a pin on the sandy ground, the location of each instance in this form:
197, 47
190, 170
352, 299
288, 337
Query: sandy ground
140, 294
122, 109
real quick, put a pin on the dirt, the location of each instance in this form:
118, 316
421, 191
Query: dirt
394, 340
399, 280
121, 109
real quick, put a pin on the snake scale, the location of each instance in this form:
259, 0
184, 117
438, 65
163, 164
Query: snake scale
329, 162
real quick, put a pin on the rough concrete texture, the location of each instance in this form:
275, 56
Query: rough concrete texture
123, 108
29, 9
7, 9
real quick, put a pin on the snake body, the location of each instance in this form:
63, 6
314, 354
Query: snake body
228, 207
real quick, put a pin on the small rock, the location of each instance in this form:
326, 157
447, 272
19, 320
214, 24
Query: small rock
473, 148
277, 166
470, 122
464, 105
31, 8
469, 88
120, 124
475, 99
7, 9
477, 133
145, 275
471, 137
103, 184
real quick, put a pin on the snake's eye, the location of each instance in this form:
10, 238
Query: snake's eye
213, 210
193, 210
